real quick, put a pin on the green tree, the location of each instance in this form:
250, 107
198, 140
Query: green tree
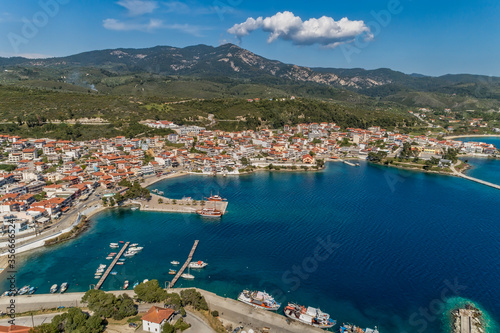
150, 292
167, 328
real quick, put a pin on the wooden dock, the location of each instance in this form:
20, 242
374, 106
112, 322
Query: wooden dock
111, 266
190, 257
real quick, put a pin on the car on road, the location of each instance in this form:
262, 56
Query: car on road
133, 325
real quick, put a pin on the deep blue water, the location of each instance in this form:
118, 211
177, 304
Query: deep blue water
401, 238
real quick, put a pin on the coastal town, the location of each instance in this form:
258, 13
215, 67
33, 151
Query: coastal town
43, 180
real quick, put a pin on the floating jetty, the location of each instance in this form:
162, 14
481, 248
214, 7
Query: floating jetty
111, 266
190, 257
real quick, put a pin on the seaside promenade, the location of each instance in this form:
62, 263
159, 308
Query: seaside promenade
230, 310
162, 204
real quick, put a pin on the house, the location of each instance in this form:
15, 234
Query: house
155, 318
15, 329
308, 159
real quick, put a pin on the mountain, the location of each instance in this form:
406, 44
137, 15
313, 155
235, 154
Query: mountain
226, 66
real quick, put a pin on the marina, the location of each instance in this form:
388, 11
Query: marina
110, 268
188, 261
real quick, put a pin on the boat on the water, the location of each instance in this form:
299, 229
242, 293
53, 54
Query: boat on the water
135, 244
114, 273
53, 289
135, 285
125, 285
97, 277
135, 248
114, 245
134, 208
174, 262
24, 290
187, 276
309, 315
121, 259
64, 287
349, 328
216, 197
172, 271
120, 263
109, 258
7, 293
198, 264
32, 290
145, 280
259, 299
102, 266
209, 212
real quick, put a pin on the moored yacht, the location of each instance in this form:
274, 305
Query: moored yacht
259, 299
348, 328
198, 264
209, 212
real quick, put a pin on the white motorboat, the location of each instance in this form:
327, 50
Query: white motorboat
198, 264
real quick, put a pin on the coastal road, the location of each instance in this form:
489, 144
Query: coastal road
27, 320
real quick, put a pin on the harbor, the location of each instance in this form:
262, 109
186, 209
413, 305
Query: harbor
111, 266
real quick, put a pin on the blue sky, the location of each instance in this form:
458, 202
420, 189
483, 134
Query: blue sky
428, 37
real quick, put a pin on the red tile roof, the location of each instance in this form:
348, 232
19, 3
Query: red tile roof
157, 315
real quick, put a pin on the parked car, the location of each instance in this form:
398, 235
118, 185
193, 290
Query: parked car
133, 325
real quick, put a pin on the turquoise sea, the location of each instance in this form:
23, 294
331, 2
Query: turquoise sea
405, 244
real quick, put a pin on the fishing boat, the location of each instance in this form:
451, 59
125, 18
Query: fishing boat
259, 299
32, 290
113, 273
145, 280
53, 289
100, 270
198, 264
348, 328
310, 316
160, 192
154, 190
114, 245
98, 273
134, 208
109, 258
174, 262
209, 212
135, 285
129, 254
125, 285
121, 259
135, 249
64, 287
133, 245
24, 290
112, 254
172, 271
120, 263
7, 293
121, 242
102, 266
97, 277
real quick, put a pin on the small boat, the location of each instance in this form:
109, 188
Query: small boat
259, 299
32, 290
129, 254
97, 277
348, 328
102, 266
155, 190
172, 271
198, 264
114, 245
145, 280
109, 258
7, 293
135, 285
98, 273
121, 259
120, 263
100, 270
209, 212
309, 316
135, 248
125, 285
53, 289
134, 208
133, 245
64, 287
187, 276
160, 192
24, 290
113, 273
112, 254
121, 242
174, 262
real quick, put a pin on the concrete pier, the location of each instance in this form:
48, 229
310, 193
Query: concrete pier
180, 206
459, 174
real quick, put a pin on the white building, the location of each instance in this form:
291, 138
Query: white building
155, 318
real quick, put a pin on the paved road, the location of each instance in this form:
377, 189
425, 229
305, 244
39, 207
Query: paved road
26, 321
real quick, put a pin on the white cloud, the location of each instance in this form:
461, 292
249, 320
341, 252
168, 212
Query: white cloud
324, 31
153, 24
113, 24
177, 7
138, 7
